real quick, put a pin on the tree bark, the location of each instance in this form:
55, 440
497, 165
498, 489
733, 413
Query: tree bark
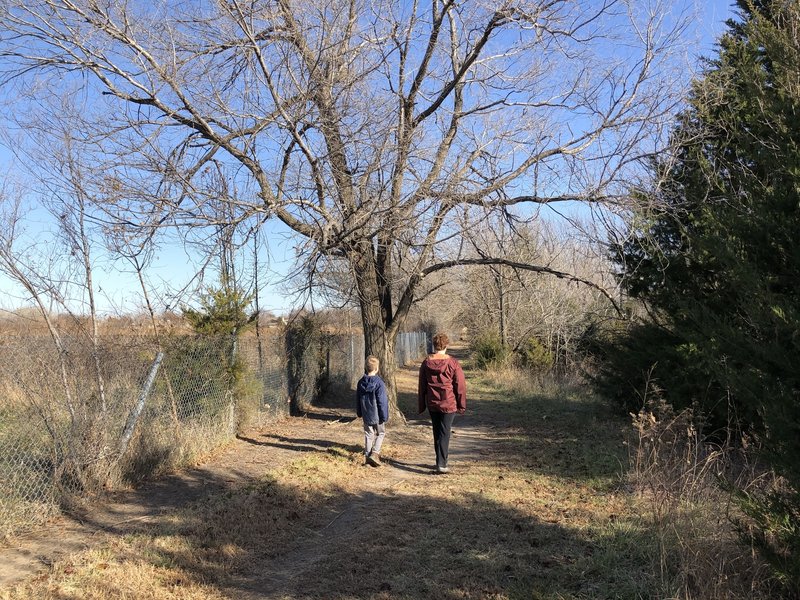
382, 345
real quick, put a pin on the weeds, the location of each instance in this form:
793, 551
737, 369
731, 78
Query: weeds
678, 476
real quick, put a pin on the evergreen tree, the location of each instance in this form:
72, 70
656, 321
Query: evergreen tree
223, 311
223, 316
718, 264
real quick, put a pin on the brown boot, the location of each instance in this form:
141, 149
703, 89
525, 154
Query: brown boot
374, 459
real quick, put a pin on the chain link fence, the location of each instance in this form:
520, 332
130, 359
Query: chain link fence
410, 347
345, 356
345, 360
85, 417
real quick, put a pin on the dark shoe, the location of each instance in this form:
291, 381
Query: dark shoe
366, 459
374, 459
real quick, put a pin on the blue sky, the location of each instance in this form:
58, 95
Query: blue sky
173, 266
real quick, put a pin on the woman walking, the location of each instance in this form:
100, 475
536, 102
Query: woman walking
443, 391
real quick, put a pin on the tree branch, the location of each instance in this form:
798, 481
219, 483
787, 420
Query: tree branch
522, 266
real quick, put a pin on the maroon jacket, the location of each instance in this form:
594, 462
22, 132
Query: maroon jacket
442, 387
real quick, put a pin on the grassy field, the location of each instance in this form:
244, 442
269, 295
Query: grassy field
537, 506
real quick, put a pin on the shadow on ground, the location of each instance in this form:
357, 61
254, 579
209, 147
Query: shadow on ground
299, 444
267, 540
568, 434
414, 535
571, 436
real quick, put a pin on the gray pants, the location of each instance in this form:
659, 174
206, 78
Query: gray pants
373, 438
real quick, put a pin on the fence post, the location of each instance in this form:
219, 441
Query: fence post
231, 395
133, 418
352, 359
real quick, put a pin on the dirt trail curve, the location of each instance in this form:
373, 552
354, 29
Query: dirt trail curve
277, 579
247, 458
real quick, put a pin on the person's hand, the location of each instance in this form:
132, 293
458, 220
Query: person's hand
461, 411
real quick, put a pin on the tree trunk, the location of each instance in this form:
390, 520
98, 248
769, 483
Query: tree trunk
380, 325
380, 343
501, 293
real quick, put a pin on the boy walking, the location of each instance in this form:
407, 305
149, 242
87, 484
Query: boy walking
372, 405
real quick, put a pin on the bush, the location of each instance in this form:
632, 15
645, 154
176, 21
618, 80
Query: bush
306, 368
535, 356
489, 352
677, 473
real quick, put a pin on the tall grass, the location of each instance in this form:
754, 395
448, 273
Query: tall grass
680, 481
681, 532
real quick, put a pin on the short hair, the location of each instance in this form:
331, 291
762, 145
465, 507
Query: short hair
440, 341
371, 364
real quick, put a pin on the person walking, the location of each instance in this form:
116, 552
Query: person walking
372, 405
443, 392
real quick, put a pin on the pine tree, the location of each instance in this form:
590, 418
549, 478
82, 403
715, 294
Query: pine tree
718, 264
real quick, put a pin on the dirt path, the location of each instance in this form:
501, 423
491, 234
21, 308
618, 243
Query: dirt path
248, 458
365, 515
362, 515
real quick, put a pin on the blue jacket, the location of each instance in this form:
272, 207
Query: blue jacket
372, 401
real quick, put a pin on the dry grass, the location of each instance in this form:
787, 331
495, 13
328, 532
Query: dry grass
536, 507
677, 475
162, 448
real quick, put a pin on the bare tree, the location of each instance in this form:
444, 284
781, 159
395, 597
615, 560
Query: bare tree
499, 238
519, 306
48, 282
15, 265
371, 130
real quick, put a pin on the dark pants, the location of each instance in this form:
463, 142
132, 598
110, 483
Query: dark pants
442, 422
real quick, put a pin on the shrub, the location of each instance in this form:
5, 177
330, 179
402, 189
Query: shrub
677, 473
489, 352
535, 356
306, 368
